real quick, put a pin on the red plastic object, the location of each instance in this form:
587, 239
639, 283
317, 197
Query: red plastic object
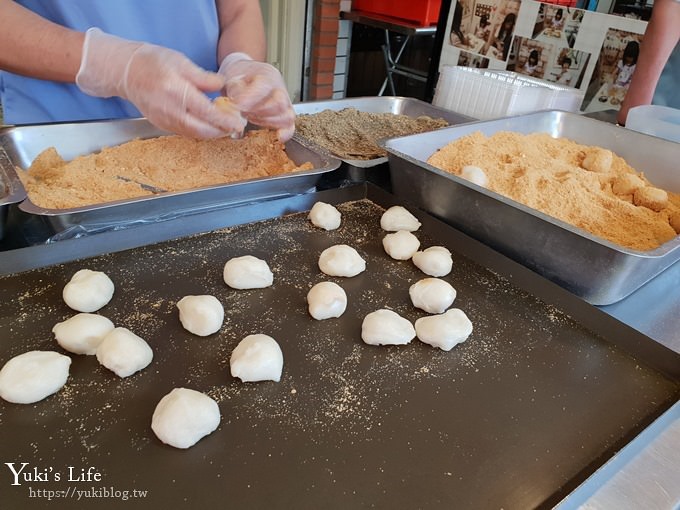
422, 12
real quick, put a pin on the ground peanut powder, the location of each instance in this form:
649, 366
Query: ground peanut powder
572, 182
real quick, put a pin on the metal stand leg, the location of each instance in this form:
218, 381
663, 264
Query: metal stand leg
391, 64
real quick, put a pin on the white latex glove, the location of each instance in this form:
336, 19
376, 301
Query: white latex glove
162, 83
258, 90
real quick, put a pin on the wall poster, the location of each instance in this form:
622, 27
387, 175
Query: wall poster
593, 52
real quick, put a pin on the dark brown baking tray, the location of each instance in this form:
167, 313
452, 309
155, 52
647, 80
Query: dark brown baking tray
545, 390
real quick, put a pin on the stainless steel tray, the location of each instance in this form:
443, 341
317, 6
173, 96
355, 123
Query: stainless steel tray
592, 268
11, 189
382, 104
546, 389
23, 144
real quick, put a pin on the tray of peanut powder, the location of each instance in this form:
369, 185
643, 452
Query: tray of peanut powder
88, 177
589, 205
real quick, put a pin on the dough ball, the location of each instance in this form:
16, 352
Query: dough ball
184, 416
444, 331
82, 333
341, 260
257, 358
401, 245
598, 159
123, 352
325, 216
247, 272
88, 291
33, 375
385, 327
201, 315
398, 218
475, 175
432, 295
434, 261
627, 184
652, 198
674, 220
326, 300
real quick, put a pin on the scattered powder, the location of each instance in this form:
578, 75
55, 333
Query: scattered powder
551, 175
353, 134
168, 163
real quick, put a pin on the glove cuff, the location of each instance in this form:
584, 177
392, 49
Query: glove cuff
104, 63
232, 58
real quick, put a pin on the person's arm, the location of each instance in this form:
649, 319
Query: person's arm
33, 46
661, 36
253, 87
241, 29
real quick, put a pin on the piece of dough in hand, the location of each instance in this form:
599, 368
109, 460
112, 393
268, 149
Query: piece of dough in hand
401, 245
82, 333
341, 260
326, 300
325, 216
444, 331
123, 352
247, 272
183, 417
435, 261
257, 358
33, 375
88, 291
398, 218
385, 327
432, 295
201, 315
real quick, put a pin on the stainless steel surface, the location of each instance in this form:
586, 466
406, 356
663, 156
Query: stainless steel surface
23, 144
387, 104
596, 270
645, 474
546, 390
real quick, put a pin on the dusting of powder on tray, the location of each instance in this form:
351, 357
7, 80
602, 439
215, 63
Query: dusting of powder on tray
588, 187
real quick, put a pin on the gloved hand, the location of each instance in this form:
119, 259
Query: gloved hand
162, 83
258, 90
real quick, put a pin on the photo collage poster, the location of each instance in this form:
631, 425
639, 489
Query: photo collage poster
555, 41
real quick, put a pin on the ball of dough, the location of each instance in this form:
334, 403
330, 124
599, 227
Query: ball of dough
626, 184
184, 416
398, 218
123, 352
257, 358
247, 272
326, 300
33, 375
475, 175
341, 260
652, 198
598, 159
325, 216
434, 261
401, 245
88, 291
432, 295
385, 327
82, 333
674, 221
201, 315
444, 331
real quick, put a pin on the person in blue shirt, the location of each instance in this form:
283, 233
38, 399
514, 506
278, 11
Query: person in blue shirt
69, 60
656, 79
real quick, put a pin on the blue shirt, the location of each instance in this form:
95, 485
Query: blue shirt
667, 92
188, 26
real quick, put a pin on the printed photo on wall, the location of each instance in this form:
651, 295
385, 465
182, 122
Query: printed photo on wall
567, 67
557, 25
467, 59
533, 57
613, 71
484, 27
